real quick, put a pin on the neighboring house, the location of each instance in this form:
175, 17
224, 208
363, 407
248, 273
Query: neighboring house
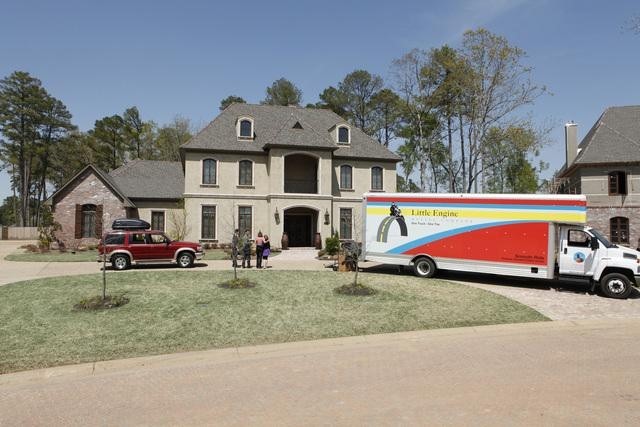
261, 168
91, 200
276, 169
606, 168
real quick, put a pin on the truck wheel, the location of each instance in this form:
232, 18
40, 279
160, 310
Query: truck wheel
615, 285
185, 260
120, 262
424, 267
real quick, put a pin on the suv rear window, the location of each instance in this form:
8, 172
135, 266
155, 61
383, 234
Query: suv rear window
114, 239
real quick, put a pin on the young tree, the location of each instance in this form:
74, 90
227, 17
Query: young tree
231, 99
283, 92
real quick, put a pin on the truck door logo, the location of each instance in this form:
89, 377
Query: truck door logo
395, 216
579, 257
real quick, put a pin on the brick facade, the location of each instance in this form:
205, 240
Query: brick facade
599, 218
87, 189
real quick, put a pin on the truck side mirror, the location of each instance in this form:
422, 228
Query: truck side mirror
594, 244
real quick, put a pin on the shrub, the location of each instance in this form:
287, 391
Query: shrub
355, 289
332, 244
99, 303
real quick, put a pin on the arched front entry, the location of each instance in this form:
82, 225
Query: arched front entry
300, 224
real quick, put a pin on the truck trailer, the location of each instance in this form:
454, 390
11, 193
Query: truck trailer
535, 236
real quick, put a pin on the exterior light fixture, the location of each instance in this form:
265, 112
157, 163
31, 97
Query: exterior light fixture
276, 216
326, 217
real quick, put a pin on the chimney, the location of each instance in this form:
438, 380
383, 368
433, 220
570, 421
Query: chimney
571, 141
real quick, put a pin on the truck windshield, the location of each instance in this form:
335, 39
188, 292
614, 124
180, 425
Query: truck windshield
602, 239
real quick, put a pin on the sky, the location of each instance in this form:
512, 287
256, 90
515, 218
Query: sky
183, 57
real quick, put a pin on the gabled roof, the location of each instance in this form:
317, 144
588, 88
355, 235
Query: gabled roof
102, 175
150, 179
614, 138
273, 126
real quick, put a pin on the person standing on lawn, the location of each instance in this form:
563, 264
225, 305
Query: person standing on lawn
235, 242
259, 248
266, 251
246, 249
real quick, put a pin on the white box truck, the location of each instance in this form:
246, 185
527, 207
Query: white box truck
537, 236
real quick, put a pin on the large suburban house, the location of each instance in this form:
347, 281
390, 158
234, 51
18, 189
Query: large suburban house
283, 171
606, 168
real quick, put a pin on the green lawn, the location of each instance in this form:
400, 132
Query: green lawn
173, 311
79, 256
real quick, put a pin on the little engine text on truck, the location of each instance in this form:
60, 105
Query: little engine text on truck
537, 236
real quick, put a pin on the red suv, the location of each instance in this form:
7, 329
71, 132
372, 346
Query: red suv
124, 248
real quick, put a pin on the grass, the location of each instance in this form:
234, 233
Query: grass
90, 255
174, 311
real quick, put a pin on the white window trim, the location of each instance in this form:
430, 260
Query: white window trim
371, 178
253, 175
202, 171
348, 134
340, 187
215, 224
164, 216
240, 120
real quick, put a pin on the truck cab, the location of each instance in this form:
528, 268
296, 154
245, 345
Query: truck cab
586, 254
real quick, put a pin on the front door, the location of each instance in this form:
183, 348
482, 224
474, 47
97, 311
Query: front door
298, 228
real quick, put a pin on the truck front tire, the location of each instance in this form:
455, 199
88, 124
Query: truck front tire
615, 285
424, 267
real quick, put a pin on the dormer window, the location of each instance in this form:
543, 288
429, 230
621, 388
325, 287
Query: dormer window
245, 128
344, 135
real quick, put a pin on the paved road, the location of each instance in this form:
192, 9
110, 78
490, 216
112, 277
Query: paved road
553, 373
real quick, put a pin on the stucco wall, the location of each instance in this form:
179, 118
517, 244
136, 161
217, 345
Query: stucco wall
595, 185
172, 213
361, 177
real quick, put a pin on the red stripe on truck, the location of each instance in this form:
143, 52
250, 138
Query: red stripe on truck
466, 200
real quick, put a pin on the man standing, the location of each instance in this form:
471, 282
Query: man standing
246, 249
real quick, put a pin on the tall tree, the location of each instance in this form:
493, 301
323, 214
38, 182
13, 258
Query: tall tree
334, 100
386, 111
109, 141
283, 92
359, 89
231, 99
171, 137
22, 102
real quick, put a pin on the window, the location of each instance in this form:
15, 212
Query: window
137, 239
114, 239
345, 223
345, 177
157, 221
578, 238
209, 172
158, 238
246, 172
343, 135
619, 229
244, 219
617, 183
208, 222
246, 129
88, 220
376, 178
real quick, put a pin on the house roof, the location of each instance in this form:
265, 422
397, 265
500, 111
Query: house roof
149, 179
614, 138
274, 126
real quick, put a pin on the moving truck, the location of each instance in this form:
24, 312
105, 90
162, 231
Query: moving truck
537, 236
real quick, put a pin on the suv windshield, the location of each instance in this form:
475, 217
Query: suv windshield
602, 239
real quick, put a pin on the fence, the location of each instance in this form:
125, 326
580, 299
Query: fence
19, 233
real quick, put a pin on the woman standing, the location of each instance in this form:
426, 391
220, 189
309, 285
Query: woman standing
259, 248
266, 250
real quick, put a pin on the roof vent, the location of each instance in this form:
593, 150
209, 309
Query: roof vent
297, 126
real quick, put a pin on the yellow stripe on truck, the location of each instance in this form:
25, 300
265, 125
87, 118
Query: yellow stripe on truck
502, 214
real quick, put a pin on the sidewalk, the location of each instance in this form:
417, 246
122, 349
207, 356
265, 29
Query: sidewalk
551, 373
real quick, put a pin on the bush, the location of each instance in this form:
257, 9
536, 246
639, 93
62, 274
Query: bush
355, 289
332, 244
30, 248
98, 303
239, 283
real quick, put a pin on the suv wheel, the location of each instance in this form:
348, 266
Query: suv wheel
185, 260
120, 262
